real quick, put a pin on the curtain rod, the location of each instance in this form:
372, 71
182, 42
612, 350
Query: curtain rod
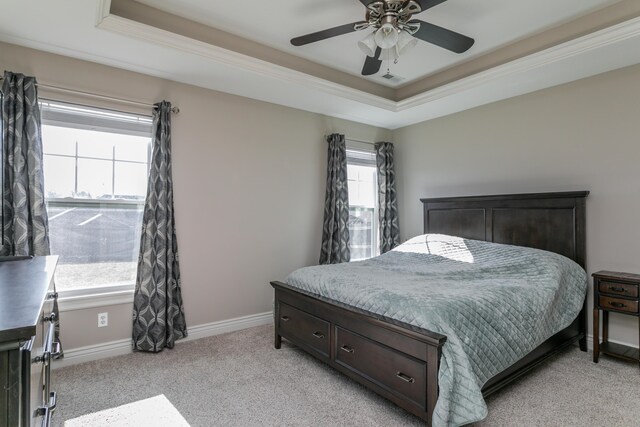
355, 140
358, 140
174, 110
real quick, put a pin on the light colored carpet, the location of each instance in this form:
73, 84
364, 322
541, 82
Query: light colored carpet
152, 412
239, 379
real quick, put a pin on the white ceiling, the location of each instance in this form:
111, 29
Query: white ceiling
492, 23
84, 29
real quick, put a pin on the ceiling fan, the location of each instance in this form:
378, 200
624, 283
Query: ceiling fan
395, 30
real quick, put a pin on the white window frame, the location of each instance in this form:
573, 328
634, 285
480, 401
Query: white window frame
61, 114
367, 159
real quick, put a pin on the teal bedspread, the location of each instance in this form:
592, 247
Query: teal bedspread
495, 303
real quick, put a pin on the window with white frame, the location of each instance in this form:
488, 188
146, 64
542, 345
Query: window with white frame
96, 163
363, 204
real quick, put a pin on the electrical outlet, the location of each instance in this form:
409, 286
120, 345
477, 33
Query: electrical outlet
103, 320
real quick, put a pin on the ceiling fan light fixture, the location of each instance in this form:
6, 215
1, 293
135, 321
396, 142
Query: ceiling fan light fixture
392, 54
386, 36
368, 45
405, 42
394, 32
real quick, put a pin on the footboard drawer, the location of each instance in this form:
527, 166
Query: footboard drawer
309, 329
396, 372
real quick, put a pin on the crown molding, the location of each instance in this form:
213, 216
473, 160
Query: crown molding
561, 52
128, 44
104, 9
189, 45
457, 89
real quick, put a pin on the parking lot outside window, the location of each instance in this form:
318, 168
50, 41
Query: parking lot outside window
95, 167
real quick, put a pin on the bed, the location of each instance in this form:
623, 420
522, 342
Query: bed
400, 360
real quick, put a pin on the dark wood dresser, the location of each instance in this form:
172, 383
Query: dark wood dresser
618, 293
26, 341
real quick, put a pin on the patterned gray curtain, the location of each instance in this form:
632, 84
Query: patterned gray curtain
335, 228
387, 200
24, 212
158, 313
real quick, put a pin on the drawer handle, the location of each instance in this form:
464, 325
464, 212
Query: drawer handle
616, 289
405, 378
616, 304
347, 349
46, 411
318, 335
285, 318
53, 400
56, 349
50, 349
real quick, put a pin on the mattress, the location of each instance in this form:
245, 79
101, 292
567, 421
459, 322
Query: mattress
494, 302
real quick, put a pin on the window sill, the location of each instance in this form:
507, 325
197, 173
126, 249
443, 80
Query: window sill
80, 299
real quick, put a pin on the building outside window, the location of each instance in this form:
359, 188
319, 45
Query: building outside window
95, 174
363, 204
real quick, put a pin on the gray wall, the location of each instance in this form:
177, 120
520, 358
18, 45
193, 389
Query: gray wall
249, 182
240, 165
580, 136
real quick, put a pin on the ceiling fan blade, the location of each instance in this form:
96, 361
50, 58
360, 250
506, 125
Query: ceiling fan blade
324, 34
372, 64
442, 37
428, 4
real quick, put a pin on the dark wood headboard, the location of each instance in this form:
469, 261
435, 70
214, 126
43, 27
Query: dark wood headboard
551, 221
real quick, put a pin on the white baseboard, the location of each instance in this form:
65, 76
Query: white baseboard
118, 348
230, 325
590, 342
93, 352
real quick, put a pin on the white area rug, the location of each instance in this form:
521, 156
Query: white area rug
152, 412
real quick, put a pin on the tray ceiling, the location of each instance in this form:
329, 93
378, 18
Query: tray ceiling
137, 37
492, 23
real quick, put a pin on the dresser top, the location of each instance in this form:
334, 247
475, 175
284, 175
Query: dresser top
23, 289
615, 275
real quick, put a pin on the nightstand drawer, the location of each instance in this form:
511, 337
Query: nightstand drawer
616, 288
610, 303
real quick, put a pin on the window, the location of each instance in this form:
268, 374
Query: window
363, 204
95, 177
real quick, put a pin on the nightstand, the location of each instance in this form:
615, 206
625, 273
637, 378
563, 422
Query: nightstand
618, 293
